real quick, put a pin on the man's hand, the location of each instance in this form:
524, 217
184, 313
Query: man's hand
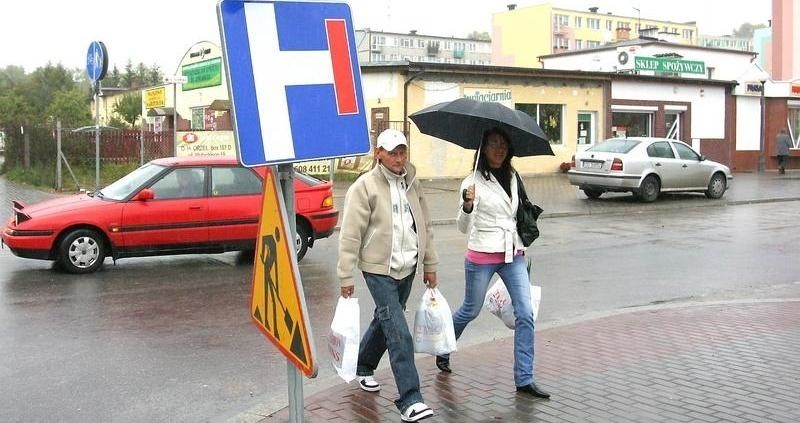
347, 291
430, 279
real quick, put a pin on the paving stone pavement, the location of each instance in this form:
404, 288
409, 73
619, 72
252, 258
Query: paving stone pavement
718, 362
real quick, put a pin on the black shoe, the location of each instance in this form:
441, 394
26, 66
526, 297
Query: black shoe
533, 390
443, 363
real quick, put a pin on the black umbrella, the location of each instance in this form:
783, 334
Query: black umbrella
463, 122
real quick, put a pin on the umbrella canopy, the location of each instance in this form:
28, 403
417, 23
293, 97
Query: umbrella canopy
463, 122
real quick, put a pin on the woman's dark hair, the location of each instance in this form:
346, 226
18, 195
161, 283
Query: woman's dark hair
505, 169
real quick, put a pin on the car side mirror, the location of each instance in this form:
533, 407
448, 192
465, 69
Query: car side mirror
144, 195
702, 158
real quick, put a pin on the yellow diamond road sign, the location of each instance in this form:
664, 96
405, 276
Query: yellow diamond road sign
277, 305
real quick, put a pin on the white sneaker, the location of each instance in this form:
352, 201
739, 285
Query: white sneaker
368, 384
416, 412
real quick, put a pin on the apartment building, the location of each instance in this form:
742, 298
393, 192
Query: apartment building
380, 46
726, 42
521, 35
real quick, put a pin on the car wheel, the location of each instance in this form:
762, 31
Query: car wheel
593, 193
81, 251
716, 186
302, 239
649, 189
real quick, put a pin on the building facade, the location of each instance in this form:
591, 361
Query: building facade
521, 35
379, 46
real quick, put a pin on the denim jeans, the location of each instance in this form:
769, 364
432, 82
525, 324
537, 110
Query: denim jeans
389, 330
515, 277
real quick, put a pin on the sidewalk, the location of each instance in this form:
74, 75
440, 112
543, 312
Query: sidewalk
718, 362
706, 362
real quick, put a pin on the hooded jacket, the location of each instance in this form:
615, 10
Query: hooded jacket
367, 235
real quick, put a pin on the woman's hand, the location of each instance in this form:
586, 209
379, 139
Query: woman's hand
468, 195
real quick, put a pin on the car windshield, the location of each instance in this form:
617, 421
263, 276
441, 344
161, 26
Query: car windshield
308, 179
126, 185
614, 145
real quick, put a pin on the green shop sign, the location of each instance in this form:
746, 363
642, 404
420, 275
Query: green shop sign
662, 64
203, 74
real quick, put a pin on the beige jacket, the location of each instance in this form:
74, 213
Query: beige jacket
365, 235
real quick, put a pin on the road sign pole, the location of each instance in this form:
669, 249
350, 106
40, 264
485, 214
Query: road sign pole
285, 174
97, 136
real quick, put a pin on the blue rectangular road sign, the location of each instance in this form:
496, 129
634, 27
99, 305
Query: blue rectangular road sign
294, 80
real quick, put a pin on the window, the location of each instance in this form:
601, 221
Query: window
586, 128
578, 22
198, 118
406, 42
578, 44
548, 116
378, 40
562, 43
560, 20
234, 181
609, 25
688, 34
793, 120
591, 44
661, 150
593, 23
184, 182
686, 153
631, 124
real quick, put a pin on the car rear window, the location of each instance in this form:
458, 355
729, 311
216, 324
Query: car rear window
308, 179
616, 145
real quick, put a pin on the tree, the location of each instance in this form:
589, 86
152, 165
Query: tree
42, 85
71, 108
746, 30
479, 36
129, 107
14, 110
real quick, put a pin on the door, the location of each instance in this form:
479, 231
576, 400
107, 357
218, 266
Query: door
379, 121
663, 160
695, 174
234, 206
175, 219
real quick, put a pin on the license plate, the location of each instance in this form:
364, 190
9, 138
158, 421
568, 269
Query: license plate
592, 165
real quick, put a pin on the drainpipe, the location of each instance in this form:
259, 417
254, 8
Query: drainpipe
405, 105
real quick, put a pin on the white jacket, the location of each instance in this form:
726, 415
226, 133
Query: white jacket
492, 224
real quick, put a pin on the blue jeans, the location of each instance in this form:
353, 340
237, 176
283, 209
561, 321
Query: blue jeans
515, 277
389, 330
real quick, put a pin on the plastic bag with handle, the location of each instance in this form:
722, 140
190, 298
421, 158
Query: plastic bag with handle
344, 338
498, 302
433, 325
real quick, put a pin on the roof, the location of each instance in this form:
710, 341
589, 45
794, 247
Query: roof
421, 68
645, 41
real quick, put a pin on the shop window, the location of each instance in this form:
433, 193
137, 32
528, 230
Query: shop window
548, 116
631, 124
793, 120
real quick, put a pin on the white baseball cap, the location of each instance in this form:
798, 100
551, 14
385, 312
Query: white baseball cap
390, 139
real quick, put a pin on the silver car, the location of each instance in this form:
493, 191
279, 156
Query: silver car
647, 167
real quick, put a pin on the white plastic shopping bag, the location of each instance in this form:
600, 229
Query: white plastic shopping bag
433, 325
344, 338
498, 302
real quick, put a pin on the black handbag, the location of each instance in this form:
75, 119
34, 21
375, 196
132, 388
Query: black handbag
527, 213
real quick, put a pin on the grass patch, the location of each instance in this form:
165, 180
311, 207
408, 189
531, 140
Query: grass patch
44, 176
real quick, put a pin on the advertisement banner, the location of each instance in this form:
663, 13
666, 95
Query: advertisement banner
206, 143
155, 98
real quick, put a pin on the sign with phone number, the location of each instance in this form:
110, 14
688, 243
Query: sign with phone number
316, 167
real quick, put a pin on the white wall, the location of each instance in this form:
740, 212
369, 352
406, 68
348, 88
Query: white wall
748, 123
708, 103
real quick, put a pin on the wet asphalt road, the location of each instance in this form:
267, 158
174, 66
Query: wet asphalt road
169, 339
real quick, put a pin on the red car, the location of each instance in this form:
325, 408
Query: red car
168, 206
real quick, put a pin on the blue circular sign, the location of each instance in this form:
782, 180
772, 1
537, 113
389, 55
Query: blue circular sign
96, 61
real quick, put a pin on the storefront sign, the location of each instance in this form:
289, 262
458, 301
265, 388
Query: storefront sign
206, 143
203, 74
752, 88
155, 98
661, 64
502, 96
795, 89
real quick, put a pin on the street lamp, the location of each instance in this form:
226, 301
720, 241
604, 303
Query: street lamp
761, 159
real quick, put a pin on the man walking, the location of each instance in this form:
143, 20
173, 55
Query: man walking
386, 231
784, 143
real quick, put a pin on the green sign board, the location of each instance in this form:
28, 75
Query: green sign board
663, 64
203, 74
